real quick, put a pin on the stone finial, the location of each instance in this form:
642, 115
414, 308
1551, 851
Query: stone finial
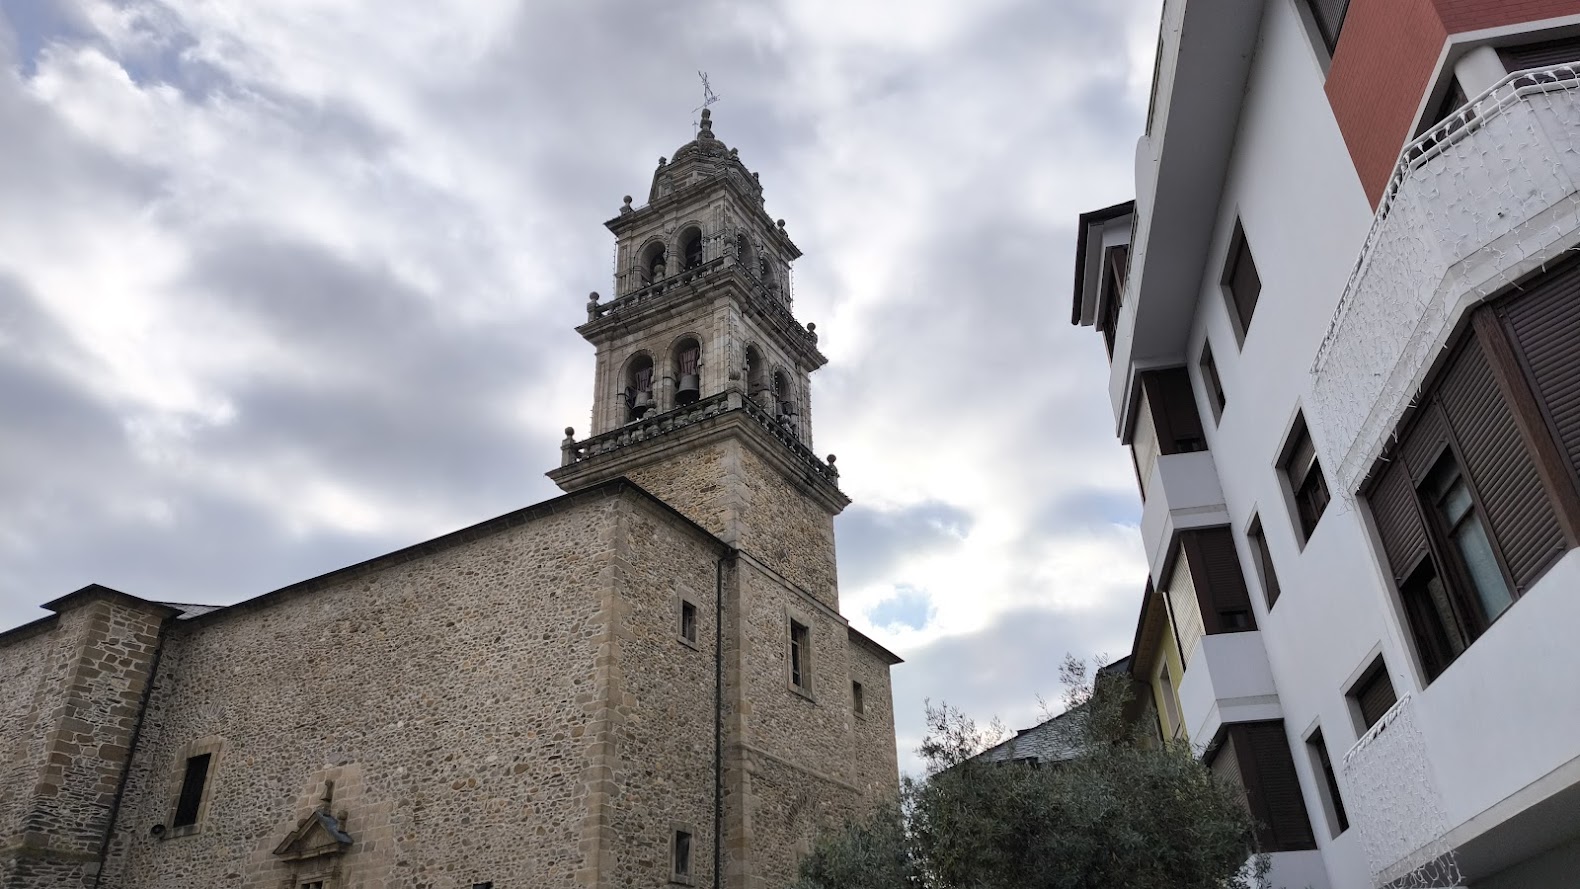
593, 309
626, 207
832, 470
811, 330
735, 152
569, 453
662, 161
781, 224
705, 129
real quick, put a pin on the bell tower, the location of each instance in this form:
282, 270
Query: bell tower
702, 385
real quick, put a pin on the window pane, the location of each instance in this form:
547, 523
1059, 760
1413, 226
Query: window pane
1474, 547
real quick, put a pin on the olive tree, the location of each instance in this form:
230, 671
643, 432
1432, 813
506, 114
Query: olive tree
1126, 812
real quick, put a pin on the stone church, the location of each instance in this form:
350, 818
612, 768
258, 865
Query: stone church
646, 681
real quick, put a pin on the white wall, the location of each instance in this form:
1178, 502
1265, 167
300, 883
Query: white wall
1306, 217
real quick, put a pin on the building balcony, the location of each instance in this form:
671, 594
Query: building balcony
1182, 492
1227, 679
1480, 200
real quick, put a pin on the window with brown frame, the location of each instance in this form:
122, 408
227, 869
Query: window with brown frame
1307, 485
1372, 695
1254, 757
1332, 799
1210, 381
1241, 282
1111, 294
1216, 580
1173, 406
1478, 496
1262, 561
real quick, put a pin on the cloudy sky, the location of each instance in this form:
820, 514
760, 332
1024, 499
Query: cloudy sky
286, 285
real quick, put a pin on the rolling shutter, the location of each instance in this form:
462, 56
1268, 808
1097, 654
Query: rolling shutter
1220, 582
1398, 516
1226, 768
1330, 19
1500, 468
1273, 788
1540, 55
1186, 609
1544, 322
1375, 696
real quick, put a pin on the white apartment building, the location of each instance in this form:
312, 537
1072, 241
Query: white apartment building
1343, 314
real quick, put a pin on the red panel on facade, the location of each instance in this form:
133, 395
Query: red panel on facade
1388, 52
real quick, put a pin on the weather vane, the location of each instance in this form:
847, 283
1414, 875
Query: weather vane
708, 98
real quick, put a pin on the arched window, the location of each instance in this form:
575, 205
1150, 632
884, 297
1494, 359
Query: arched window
654, 262
784, 398
691, 247
757, 376
638, 387
688, 371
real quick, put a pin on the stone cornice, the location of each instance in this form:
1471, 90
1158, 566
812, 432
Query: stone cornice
673, 295
723, 416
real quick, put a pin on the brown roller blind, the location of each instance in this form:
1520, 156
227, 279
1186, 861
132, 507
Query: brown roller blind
1500, 468
1540, 55
1375, 694
1423, 441
1397, 513
1174, 413
1544, 322
1271, 787
1220, 582
1226, 767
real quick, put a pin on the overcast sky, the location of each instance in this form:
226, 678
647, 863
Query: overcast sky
285, 285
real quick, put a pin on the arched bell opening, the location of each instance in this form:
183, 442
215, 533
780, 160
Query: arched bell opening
784, 398
688, 371
743, 251
757, 377
691, 248
639, 388
765, 271
655, 261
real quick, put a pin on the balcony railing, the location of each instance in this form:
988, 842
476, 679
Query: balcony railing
657, 425
770, 300
1480, 199
1394, 802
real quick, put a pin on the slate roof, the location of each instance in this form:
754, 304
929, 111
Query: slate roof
1056, 740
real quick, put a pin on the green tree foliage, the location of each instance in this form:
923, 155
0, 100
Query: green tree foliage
1127, 813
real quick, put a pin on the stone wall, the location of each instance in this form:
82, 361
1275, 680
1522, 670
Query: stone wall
663, 765
450, 696
877, 768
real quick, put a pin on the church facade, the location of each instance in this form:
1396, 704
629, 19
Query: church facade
646, 681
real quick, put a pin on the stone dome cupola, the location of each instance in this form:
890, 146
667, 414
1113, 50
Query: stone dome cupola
703, 159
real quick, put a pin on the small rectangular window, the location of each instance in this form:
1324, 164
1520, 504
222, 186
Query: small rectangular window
1262, 560
192, 784
799, 652
682, 852
688, 622
1328, 789
1210, 381
1373, 695
1329, 17
1241, 281
1306, 481
856, 702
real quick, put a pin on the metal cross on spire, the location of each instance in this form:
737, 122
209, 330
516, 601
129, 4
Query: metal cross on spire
708, 98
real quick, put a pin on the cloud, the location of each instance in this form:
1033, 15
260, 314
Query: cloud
909, 607
283, 286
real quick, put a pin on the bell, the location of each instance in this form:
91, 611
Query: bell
787, 409
688, 390
642, 403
